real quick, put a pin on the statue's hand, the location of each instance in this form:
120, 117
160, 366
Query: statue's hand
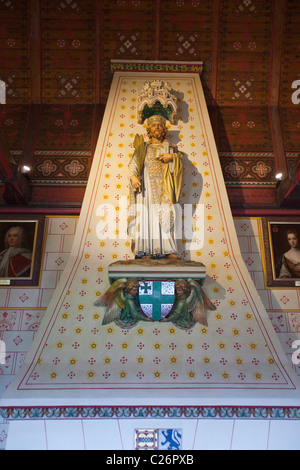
166, 158
136, 183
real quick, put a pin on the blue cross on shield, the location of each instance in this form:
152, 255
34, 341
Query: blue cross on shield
156, 298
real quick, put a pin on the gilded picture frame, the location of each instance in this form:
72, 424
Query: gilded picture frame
21, 250
281, 242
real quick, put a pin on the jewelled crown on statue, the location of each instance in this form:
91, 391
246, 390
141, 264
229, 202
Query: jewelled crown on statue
157, 98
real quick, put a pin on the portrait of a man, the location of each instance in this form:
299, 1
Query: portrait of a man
20, 250
16, 258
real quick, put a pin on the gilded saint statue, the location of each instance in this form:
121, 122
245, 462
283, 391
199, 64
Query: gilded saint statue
155, 174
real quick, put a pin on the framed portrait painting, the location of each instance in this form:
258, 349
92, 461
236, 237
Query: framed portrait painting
21, 250
281, 238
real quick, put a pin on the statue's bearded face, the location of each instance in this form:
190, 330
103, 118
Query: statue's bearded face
157, 130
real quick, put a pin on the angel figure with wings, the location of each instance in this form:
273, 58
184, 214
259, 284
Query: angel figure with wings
190, 305
122, 305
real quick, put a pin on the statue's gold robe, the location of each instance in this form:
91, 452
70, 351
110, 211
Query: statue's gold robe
153, 207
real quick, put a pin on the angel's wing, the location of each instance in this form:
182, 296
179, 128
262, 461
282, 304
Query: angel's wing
201, 295
197, 302
114, 301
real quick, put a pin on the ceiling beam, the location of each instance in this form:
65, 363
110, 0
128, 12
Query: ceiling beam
215, 49
35, 52
278, 22
157, 25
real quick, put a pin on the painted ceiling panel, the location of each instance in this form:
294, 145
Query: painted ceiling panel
56, 54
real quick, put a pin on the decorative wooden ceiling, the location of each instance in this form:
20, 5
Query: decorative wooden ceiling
55, 59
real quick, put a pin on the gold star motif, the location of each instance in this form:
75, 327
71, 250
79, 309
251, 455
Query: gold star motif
91, 374
271, 361
53, 375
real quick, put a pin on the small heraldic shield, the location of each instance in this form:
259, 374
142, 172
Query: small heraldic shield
156, 298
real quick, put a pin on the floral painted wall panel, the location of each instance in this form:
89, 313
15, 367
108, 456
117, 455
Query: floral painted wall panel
289, 87
15, 55
68, 54
128, 29
238, 352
